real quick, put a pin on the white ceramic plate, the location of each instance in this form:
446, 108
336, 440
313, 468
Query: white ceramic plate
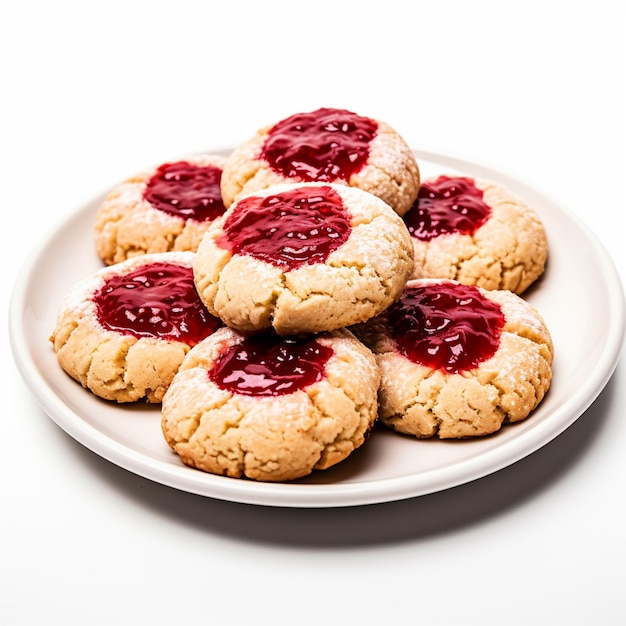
580, 297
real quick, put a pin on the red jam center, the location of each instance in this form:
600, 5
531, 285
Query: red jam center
186, 191
298, 227
447, 205
157, 300
446, 327
270, 365
324, 146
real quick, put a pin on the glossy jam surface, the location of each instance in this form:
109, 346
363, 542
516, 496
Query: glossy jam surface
300, 226
269, 365
447, 327
157, 300
324, 145
447, 205
187, 191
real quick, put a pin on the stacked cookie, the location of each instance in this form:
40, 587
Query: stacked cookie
330, 288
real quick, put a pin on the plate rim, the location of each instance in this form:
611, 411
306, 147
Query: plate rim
324, 495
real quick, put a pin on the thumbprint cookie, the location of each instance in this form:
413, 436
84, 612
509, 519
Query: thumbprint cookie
458, 361
476, 232
162, 209
299, 258
124, 331
271, 408
327, 145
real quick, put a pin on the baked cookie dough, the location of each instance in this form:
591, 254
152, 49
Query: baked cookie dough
327, 145
161, 209
301, 258
458, 361
123, 332
271, 408
476, 232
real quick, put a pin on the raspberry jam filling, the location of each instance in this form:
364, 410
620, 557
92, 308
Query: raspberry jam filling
324, 145
297, 227
186, 191
447, 327
447, 205
270, 365
156, 300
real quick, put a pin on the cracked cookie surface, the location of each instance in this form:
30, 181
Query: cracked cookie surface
313, 143
503, 385
321, 274
227, 428
123, 332
508, 250
162, 209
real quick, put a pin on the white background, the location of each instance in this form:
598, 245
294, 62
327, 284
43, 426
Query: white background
93, 92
